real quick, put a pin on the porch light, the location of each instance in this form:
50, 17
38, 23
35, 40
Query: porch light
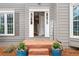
39, 3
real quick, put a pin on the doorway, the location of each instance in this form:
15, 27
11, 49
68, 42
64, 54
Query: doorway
38, 23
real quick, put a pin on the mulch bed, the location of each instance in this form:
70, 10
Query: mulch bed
70, 52
66, 52
6, 54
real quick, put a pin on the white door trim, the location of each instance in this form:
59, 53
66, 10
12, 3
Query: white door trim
38, 9
31, 26
47, 24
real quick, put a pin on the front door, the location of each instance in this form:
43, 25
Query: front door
39, 22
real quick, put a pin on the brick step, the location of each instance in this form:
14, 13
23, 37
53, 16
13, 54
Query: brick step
39, 51
39, 46
38, 43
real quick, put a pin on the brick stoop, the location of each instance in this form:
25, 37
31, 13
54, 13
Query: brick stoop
38, 47
38, 51
38, 43
28, 41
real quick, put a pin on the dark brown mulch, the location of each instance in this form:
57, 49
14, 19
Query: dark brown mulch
70, 52
66, 52
6, 54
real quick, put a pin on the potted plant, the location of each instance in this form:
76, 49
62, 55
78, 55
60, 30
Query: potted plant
56, 49
22, 50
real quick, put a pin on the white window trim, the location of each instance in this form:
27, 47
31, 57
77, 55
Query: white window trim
71, 22
5, 22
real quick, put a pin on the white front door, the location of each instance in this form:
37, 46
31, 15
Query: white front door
31, 21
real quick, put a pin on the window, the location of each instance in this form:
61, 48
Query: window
74, 20
6, 23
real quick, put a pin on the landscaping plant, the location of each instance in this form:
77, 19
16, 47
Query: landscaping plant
56, 49
21, 50
9, 49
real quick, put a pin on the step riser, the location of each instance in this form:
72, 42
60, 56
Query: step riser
39, 53
38, 42
39, 46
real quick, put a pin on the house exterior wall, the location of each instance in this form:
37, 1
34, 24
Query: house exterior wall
63, 23
59, 15
22, 20
19, 23
63, 26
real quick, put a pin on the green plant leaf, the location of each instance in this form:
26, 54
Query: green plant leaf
56, 45
21, 46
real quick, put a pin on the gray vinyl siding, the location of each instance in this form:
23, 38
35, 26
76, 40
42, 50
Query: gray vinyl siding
63, 23
53, 21
63, 26
19, 23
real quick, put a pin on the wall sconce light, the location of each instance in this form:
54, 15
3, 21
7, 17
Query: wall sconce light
39, 4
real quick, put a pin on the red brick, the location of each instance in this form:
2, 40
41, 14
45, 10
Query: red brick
38, 51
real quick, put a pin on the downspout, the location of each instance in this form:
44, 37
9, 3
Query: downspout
53, 30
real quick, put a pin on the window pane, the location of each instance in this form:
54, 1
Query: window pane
75, 28
78, 28
75, 13
1, 24
76, 20
10, 23
78, 12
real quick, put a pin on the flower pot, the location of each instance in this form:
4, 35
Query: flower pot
56, 52
22, 53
